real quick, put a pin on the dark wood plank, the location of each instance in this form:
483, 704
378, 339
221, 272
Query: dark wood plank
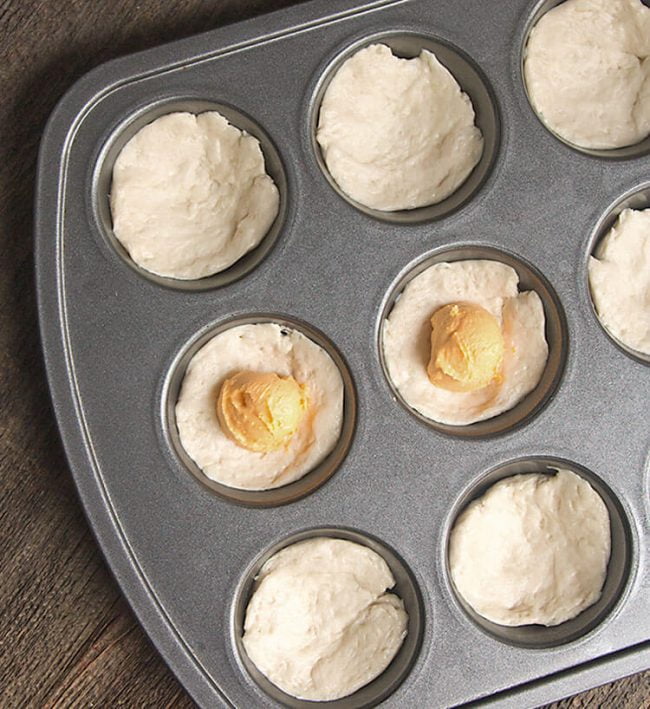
66, 636
627, 693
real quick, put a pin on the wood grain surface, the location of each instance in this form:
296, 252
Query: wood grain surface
67, 637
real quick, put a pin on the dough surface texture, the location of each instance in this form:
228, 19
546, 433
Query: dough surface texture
261, 347
190, 195
587, 71
619, 278
321, 623
532, 550
397, 133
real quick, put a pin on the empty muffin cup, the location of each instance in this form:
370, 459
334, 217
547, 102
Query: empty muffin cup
618, 567
554, 332
103, 177
636, 199
310, 480
637, 149
408, 45
406, 588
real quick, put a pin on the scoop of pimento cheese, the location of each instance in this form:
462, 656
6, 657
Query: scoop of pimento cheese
261, 411
466, 347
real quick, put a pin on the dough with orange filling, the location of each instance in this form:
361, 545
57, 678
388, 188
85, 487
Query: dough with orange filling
292, 385
407, 339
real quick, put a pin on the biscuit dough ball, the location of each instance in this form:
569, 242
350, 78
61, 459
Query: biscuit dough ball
397, 133
190, 195
619, 278
321, 622
533, 549
587, 70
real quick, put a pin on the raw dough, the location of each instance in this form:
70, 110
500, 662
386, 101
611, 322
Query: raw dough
190, 195
407, 331
619, 277
533, 549
397, 133
587, 70
320, 623
263, 347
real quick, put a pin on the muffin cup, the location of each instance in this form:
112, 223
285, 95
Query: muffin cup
556, 333
103, 175
637, 198
384, 684
635, 150
472, 81
295, 490
618, 567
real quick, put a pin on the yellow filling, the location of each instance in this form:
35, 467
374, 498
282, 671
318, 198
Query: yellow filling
261, 411
466, 347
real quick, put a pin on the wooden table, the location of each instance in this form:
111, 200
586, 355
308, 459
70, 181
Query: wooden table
67, 638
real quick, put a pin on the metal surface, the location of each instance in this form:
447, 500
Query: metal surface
112, 338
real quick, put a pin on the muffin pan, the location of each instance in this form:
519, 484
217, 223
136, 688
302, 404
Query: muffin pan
116, 340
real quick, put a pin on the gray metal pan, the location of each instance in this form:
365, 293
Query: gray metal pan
113, 340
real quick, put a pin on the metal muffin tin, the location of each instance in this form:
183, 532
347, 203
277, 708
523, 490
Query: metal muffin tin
114, 339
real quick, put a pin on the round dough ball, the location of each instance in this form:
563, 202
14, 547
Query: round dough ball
533, 549
320, 623
406, 336
262, 347
619, 278
190, 195
587, 70
397, 133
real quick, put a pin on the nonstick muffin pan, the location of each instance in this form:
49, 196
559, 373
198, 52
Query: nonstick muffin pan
115, 339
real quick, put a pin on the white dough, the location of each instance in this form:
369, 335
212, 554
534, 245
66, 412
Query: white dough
587, 70
533, 549
397, 133
406, 338
259, 348
320, 623
619, 278
190, 195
